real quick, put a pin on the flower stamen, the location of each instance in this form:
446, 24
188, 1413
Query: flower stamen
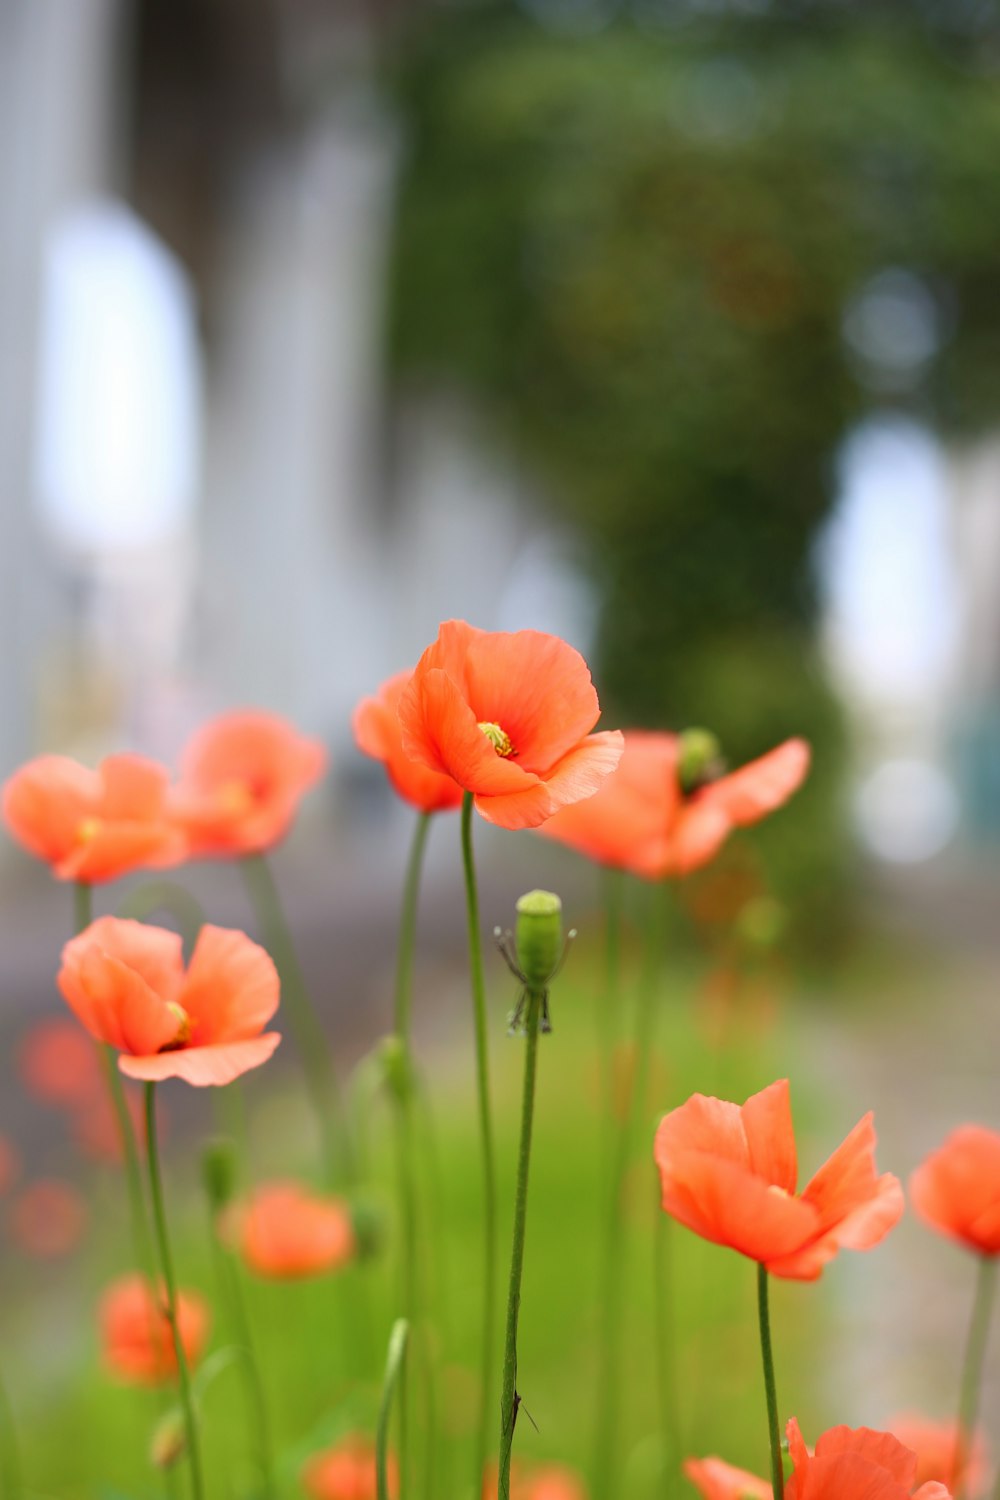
498, 738
183, 1020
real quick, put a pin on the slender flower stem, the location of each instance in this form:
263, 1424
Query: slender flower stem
83, 912
665, 1324
486, 1141
232, 1289
612, 1281
393, 1367
310, 1038
607, 999
767, 1356
170, 1285
972, 1368
508, 1396
167, 896
403, 1113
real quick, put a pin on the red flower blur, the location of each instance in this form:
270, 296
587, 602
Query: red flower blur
242, 777
538, 1482
716, 1480
127, 983
136, 1340
508, 718
48, 1219
855, 1464
937, 1448
642, 821
10, 1164
60, 1066
286, 1232
729, 1172
377, 731
347, 1472
92, 826
956, 1189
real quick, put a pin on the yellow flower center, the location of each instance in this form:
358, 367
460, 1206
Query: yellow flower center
236, 797
781, 1192
88, 830
183, 1020
498, 738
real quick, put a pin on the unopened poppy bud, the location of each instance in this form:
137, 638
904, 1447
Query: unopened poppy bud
396, 1069
168, 1442
539, 937
218, 1171
699, 759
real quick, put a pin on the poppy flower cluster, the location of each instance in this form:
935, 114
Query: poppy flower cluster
242, 776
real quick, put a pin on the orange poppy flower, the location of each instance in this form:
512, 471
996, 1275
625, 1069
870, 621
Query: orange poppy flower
60, 1066
956, 1190
716, 1480
241, 780
939, 1455
136, 1339
507, 717
729, 1173
286, 1232
126, 982
855, 1464
377, 731
48, 1219
347, 1472
642, 821
93, 825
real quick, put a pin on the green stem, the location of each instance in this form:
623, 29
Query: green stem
229, 1277
403, 1113
486, 1142
607, 998
508, 1396
666, 1373
170, 1285
310, 1038
613, 1280
972, 1368
393, 1367
767, 1357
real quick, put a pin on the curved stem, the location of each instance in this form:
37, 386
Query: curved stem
612, 1282
407, 931
170, 1285
310, 1038
486, 1140
767, 1357
393, 1368
972, 1368
508, 1396
166, 895
252, 1386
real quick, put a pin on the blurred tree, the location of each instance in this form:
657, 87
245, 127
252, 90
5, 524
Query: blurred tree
658, 254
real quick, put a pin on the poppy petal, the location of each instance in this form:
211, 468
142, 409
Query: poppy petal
880, 1448
762, 786
114, 1002
232, 987
715, 1480
537, 687
201, 1066
576, 777
725, 1204
134, 788
767, 1122
46, 800
440, 730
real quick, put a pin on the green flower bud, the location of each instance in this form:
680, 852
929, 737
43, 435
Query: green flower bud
699, 759
396, 1068
539, 936
169, 1439
218, 1171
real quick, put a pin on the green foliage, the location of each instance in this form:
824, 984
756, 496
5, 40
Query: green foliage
636, 249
